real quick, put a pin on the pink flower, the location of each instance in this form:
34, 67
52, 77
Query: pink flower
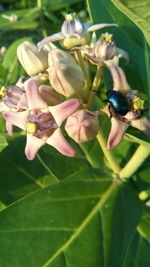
42, 122
119, 124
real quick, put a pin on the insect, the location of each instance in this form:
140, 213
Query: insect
117, 102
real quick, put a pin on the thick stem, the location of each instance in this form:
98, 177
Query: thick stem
113, 164
96, 84
135, 162
39, 3
85, 72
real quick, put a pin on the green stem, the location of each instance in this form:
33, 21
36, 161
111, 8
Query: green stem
113, 165
135, 162
147, 66
85, 72
96, 84
39, 3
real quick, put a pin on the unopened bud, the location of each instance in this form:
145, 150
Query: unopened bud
66, 78
59, 56
32, 60
65, 75
82, 125
49, 95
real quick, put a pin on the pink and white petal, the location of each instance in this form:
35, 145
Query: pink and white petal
119, 79
33, 145
9, 128
20, 82
22, 103
100, 26
143, 124
117, 131
33, 97
59, 142
61, 111
3, 107
54, 37
18, 119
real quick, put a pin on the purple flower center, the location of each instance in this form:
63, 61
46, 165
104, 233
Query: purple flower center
45, 123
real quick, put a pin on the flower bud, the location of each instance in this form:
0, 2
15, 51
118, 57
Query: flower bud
105, 47
49, 95
82, 125
59, 56
65, 75
66, 78
32, 60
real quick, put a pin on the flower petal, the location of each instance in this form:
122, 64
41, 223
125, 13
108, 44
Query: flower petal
100, 26
33, 97
61, 111
49, 95
59, 142
54, 37
9, 128
118, 129
22, 103
119, 79
16, 118
3, 107
33, 144
143, 124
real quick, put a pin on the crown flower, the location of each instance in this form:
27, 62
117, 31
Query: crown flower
42, 122
73, 32
132, 104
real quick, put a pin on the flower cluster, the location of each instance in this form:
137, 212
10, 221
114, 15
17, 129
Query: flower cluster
39, 104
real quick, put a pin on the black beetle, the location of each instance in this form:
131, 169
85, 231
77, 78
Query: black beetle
118, 103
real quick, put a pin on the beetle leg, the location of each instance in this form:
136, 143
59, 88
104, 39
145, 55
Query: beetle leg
109, 108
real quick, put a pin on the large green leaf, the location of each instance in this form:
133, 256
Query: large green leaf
138, 12
20, 176
83, 221
144, 226
138, 252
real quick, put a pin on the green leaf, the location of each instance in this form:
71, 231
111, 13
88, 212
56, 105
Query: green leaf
20, 176
3, 142
12, 68
25, 20
144, 226
138, 252
58, 4
138, 12
62, 224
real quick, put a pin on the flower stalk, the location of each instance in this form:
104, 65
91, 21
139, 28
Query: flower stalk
113, 164
135, 162
95, 86
85, 72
